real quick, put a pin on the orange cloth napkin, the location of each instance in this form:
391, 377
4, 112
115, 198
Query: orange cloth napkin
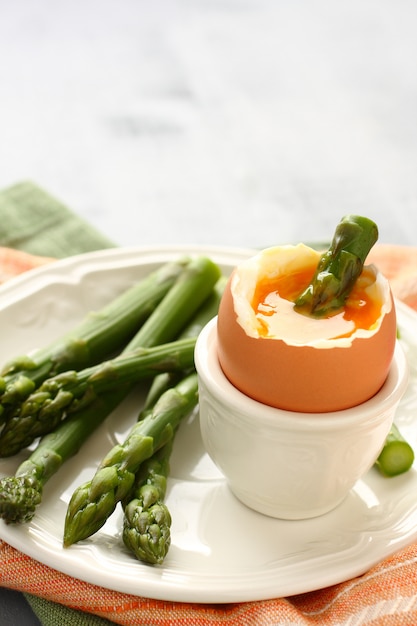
384, 596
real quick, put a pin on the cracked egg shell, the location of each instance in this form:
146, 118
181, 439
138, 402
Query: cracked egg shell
299, 363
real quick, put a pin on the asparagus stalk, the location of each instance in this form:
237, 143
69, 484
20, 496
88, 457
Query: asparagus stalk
147, 520
396, 456
338, 267
70, 391
42, 410
93, 502
193, 287
97, 336
206, 311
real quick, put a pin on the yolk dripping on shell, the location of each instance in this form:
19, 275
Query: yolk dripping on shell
359, 308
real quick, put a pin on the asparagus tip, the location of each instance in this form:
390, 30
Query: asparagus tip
147, 532
19, 497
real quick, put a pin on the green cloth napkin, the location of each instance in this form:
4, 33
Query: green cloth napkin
51, 614
33, 221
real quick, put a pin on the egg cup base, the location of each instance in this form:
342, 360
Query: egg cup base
286, 514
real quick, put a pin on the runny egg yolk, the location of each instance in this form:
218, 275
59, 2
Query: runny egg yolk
273, 306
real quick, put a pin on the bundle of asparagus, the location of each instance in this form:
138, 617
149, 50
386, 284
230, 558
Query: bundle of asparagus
66, 408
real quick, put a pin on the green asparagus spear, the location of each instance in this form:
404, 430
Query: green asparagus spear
397, 456
97, 336
42, 410
94, 501
193, 287
147, 520
338, 267
70, 391
207, 310
21, 494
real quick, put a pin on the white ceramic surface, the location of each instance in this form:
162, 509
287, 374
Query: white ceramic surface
286, 464
221, 550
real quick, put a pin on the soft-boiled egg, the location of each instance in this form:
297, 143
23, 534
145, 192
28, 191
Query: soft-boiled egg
285, 359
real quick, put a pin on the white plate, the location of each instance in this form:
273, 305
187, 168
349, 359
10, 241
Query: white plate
221, 551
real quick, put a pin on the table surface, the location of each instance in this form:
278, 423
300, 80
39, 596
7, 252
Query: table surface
234, 123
